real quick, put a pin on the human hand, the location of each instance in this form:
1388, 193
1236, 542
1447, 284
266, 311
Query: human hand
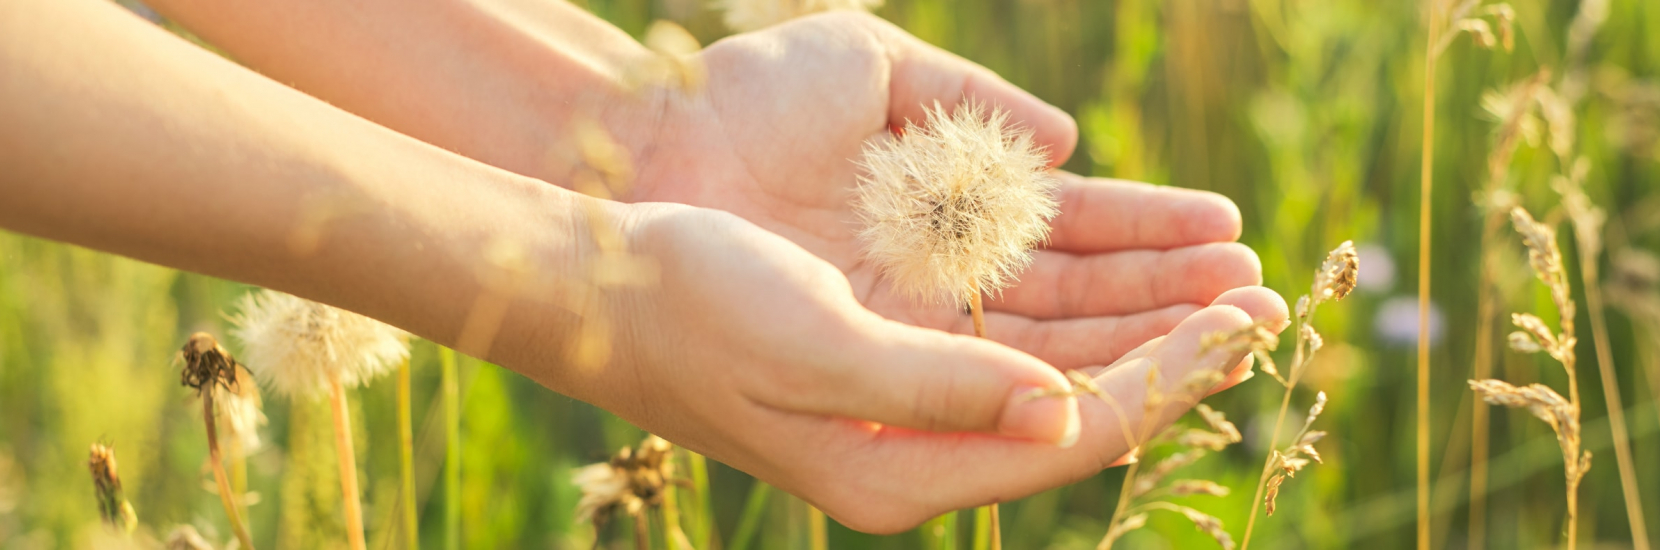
759, 354
775, 134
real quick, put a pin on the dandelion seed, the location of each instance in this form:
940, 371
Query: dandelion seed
749, 15
295, 346
953, 207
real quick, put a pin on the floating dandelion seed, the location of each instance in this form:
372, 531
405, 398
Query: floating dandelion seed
295, 346
749, 15
953, 208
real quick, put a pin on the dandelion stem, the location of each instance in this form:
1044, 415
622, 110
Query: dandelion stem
986, 518
348, 462
1427, 173
406, 432
642, 531
452, 448
1611, 396
1486, 309
226, 497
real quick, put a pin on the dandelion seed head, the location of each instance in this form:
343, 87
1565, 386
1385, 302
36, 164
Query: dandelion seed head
954, 206
631, 481
295, 346
749, 15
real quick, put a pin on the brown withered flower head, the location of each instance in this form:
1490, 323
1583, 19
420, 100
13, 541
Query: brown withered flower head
632, 481
113, 507
207, 364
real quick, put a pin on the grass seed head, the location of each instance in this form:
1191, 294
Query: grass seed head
954, 206
1338, 274
113, 507
295, 346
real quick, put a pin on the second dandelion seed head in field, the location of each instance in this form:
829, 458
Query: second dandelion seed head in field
296, 345
954, 206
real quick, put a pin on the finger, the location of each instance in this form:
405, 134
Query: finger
1076, 343
1060, 285
899, 375
924, 74
1100, 215
915, 475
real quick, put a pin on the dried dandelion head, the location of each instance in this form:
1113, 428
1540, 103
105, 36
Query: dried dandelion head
631, 481
750, 15
954, 207
106, 482
206, 364
297, 346
1338, 275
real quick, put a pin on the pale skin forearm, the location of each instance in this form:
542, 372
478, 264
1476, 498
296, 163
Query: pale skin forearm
494, 80
122, 138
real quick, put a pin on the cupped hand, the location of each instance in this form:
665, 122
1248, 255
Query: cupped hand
775, 135
759, 354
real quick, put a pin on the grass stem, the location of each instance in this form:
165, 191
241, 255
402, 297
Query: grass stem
406, 433
818, 528
1611, 396
754, 507
452, 448
1426, 177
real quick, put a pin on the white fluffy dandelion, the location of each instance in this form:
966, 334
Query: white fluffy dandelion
953, 207
303, 349
749, 15
295, 346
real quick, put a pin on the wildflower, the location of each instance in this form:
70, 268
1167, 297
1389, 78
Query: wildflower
295, 345
749, 15
953, 207
213, 372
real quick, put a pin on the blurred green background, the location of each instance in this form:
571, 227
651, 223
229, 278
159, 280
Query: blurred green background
1306, 112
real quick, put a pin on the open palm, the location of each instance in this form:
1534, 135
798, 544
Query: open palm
775, 136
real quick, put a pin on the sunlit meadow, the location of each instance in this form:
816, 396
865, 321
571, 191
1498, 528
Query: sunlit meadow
1307, 113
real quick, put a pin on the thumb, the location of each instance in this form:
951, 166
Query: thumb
902, 376
923, 74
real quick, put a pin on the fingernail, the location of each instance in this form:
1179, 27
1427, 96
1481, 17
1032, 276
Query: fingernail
1041, 414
